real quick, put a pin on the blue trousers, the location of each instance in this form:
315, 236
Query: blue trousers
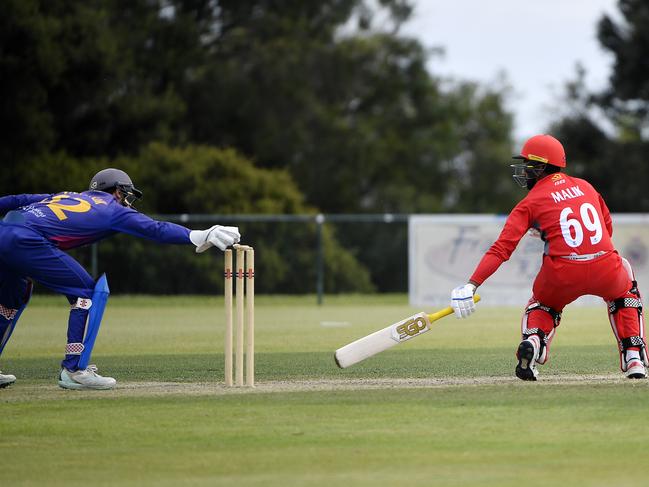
25, 254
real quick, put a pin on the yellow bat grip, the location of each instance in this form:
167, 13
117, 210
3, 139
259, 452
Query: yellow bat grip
447, 311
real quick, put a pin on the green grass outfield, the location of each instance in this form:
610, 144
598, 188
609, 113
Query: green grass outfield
442, 409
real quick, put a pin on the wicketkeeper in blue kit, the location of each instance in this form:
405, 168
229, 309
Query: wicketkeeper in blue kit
36, 230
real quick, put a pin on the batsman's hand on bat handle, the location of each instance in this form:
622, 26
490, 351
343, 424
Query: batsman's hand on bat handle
462, 300
217, 235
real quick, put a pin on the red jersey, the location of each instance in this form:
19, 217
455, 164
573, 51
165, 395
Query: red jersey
570, 215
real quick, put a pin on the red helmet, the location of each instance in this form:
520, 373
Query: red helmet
544, 148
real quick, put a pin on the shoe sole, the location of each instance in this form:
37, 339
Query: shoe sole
6, 384
636, 376
79, 387
73, 387
636, 373
525, 356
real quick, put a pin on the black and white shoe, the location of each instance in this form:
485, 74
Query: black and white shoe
527, 354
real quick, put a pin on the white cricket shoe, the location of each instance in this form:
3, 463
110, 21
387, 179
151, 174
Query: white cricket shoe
85, 379
6, 379
635, 369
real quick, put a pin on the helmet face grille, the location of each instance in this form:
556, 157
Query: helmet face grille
526, 172
129, 194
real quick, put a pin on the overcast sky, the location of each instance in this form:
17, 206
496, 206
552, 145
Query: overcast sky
536, 43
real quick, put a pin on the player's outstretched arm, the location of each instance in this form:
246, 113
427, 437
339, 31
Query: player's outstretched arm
127, 220
11, 202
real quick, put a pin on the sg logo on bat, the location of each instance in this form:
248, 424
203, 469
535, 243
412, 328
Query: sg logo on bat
410, 327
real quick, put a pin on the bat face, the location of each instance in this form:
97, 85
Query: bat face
388, 337
381, 340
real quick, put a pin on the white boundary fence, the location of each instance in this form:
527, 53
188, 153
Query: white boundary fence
444, 250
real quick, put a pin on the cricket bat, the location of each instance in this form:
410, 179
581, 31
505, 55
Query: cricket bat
388, 337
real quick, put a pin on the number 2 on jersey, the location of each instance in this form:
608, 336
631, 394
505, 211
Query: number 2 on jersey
589, 220
59, 209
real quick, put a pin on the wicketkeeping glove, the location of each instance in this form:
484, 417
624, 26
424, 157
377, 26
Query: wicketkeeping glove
219, 236
462, 300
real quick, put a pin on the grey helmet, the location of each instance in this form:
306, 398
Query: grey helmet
110, 179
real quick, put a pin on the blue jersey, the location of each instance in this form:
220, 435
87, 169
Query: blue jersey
70, 220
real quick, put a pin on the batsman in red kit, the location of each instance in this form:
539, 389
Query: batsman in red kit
579, 258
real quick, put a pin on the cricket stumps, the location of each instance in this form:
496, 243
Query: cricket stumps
244, 313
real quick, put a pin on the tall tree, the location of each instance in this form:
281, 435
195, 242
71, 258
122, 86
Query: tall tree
628, 41
607, 133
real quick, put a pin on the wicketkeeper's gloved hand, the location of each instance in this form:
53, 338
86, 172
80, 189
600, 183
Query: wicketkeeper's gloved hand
219, 236
462, 300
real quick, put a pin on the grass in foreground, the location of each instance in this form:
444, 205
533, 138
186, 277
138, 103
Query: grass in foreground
484, 435
496, 434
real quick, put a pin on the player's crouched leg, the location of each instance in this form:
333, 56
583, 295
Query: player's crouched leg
14, 296
537, 326
75, 373
626, 317
527, 354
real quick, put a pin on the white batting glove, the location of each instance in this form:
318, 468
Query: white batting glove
219, 236
462, 300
